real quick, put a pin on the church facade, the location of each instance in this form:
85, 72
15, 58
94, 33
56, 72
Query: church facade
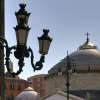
84, 75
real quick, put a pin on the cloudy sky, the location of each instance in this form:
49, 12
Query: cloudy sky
68, 21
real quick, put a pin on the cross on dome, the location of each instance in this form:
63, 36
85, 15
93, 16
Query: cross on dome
23, 1
87, 34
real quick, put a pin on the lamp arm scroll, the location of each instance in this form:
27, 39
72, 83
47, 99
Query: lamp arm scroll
39, 64
4, 44
20, 63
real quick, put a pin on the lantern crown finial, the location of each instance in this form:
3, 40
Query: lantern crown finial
45, 31
22, 6
45, 35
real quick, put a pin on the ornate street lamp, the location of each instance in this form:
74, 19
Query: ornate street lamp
20, 50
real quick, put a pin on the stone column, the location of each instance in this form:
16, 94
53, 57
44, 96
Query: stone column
2, 28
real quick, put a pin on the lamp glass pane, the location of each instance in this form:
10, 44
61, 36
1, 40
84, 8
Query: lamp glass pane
20, 17
22, 35
26, 21
44, 46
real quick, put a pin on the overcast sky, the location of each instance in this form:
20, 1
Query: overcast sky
68, 21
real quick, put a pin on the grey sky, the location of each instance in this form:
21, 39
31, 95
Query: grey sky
68, 21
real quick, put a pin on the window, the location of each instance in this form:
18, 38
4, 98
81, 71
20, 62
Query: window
12, 84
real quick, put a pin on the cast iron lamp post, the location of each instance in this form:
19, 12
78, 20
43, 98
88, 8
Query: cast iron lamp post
20, 50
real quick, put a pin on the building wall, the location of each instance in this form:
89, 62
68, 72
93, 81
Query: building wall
55, 83
78, 81
85, 81
39, 84
13, 86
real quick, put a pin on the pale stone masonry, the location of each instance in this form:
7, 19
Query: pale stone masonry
84, 76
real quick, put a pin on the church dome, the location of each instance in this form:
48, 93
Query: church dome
28, 94
87, 57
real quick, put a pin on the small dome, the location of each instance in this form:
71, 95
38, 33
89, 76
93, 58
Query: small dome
28, 94
87, 45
